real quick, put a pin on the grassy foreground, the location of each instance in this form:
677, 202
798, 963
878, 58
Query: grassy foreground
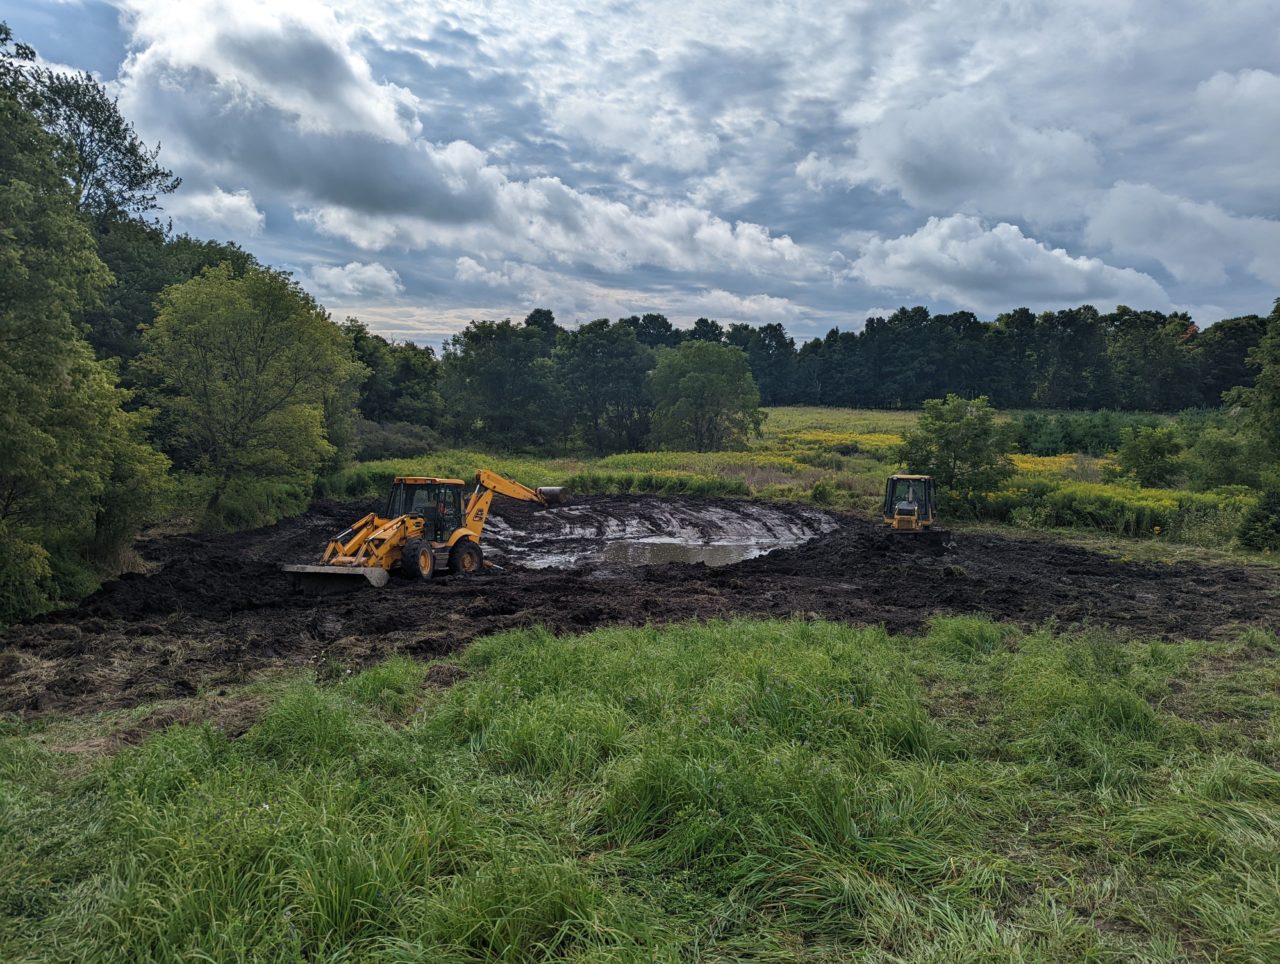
711, 792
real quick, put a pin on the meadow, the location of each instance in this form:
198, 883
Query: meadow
839, 458
720, 791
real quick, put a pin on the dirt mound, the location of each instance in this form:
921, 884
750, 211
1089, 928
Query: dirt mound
218, 611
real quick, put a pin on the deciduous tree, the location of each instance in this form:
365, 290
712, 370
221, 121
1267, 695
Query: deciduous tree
704, 398
76, 477
603, 372
960, 444
248, 367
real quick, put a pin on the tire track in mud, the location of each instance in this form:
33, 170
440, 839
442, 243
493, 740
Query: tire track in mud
216, 611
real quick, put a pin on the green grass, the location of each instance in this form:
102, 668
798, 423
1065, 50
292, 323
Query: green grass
719, 791
786, 419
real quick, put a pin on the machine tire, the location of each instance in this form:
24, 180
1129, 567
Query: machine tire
465, 558
417, 560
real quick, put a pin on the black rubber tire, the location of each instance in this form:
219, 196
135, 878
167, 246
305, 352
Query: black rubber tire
416, 559
465, 558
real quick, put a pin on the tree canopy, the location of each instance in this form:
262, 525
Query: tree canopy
112, 172
250, 373
77, 475
704, 398
960, 444
604, 371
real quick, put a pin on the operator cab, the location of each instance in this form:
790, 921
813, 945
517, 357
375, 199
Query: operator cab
909, 501
438, 501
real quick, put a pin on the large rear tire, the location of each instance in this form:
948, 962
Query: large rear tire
465, 558
417, 559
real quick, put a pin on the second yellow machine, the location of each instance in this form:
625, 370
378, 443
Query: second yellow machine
429, 526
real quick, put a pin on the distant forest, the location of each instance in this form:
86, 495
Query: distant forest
1076, 358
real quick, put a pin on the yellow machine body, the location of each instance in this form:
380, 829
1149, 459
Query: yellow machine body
429, 526
909, 503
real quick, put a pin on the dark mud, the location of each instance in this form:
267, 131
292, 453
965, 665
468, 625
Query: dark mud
215, 612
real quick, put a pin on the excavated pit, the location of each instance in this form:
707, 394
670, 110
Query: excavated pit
649, 531
212, 612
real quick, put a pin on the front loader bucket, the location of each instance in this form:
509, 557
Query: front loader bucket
552, 494
322, 580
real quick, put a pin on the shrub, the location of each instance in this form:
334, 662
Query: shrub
1198, 518
823, 492
26, 580
392, 440
1219, 457
1150, 455
1260, 528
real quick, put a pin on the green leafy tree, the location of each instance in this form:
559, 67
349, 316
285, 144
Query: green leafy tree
704, 398
499, 385
1261, 403
1260, 528
250, 374
704, 329
77, 477
113, 173
543, 320
1221, 355
603, 372
653, 330
403, 384
959, 442
1149, 454
771, 353
1151, 363
144, 261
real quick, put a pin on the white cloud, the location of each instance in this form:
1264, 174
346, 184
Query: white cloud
1237, 133
1196, 242
961, 260
234, 211
355, 280
964, 151
545, 220
296, 57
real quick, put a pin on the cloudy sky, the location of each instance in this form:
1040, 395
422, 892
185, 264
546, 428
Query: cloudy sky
421, 164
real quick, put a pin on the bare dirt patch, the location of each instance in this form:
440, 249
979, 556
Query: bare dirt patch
217, 611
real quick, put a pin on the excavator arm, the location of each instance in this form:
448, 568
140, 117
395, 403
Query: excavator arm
490, 483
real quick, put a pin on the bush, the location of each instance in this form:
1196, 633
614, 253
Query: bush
1219, 457
1150, 455
1261, 526
392, 440
1090, 433
823, 492
26, 581
1209, 519
243, 503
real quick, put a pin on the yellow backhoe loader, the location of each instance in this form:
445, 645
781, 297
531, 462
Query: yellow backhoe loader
429, 526
911, 509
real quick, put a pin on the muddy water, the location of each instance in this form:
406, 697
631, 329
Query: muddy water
642, 531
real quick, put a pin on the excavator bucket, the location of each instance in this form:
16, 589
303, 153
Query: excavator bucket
552, 494
323, 580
